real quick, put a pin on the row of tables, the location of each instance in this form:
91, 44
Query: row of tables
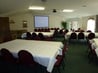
67, 35
44, 52
49, 34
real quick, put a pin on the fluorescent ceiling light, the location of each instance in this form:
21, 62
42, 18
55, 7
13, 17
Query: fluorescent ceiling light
36, 8
67, 10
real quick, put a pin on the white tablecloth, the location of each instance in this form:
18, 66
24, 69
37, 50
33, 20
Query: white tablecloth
44, 52
95, 45
49, 34
85, 33
46, 33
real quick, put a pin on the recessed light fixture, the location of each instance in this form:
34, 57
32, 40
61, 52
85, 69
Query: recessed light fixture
36, 8
67, 10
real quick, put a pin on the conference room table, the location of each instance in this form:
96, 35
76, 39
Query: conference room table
44, 52
67, 35
48, 34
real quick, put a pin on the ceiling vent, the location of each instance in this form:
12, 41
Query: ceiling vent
54, 10
43, 0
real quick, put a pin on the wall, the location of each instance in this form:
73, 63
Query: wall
96, 23
54, 20
71, 20
19, 18
82, 21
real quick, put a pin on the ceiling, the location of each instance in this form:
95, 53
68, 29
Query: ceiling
81, 7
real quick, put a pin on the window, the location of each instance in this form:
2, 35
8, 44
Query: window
40, 21
74, 25
91, 25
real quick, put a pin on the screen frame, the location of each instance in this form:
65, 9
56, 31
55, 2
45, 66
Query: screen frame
41, 16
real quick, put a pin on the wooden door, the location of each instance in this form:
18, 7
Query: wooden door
4, 29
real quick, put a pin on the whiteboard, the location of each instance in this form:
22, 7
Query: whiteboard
40, 21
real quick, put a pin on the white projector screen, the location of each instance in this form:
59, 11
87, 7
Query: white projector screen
40, 21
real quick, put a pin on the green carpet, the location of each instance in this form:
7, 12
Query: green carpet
77, 60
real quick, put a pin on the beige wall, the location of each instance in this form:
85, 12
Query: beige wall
54, 20
19, 18
82, 21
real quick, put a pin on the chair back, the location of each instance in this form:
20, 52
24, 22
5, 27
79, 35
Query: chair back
89, 31
73, 35
25, 58
91, 35
55, 34
81, 35
28, 35
66, 31
41, 36
61, 31
34, 36
7, 55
